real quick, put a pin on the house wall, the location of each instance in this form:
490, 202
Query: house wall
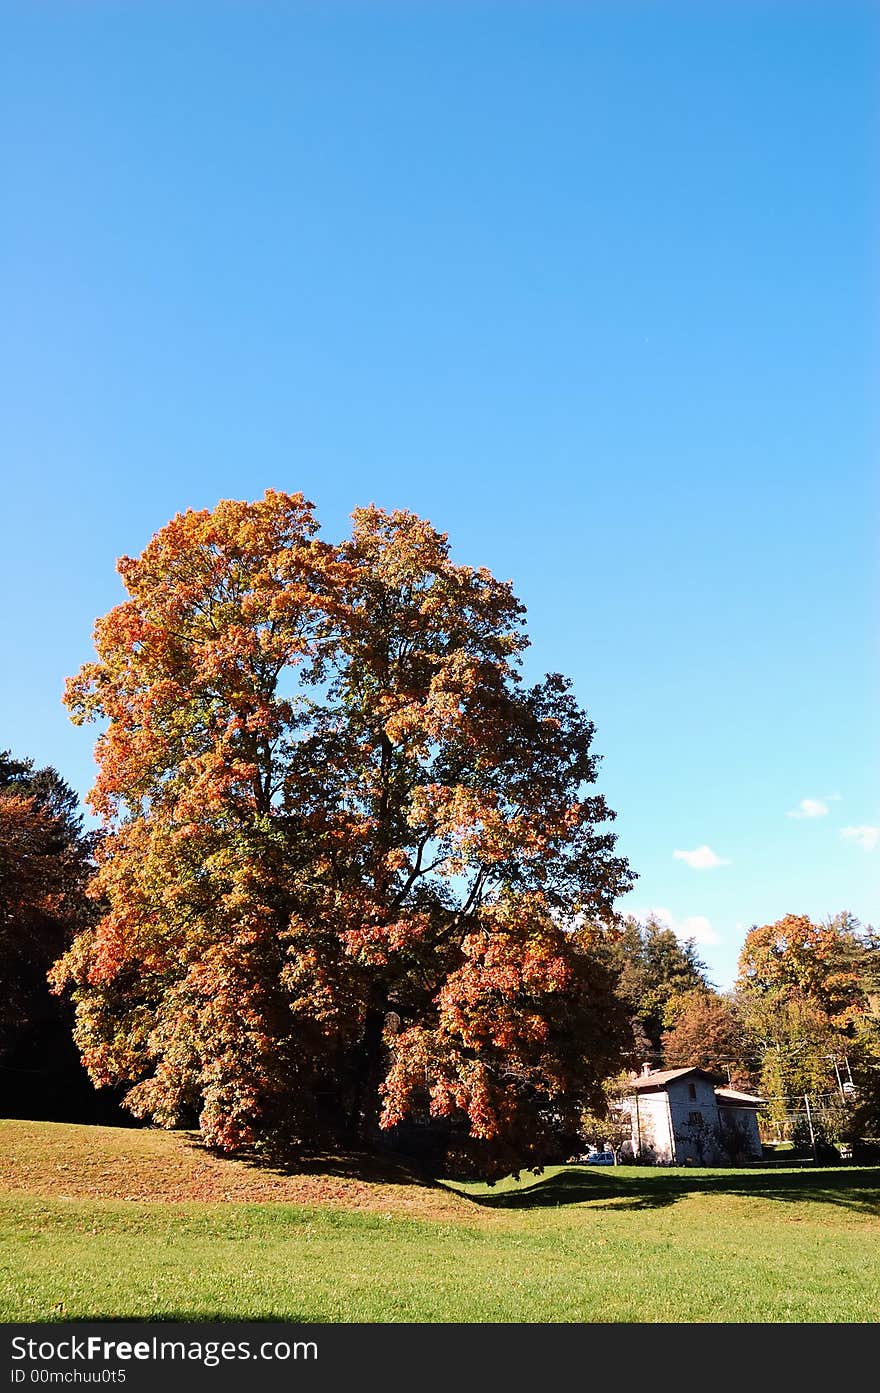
695, 1121
745, 1123
649, 1114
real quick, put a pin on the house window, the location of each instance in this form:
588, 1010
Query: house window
695, 1119
692, 1090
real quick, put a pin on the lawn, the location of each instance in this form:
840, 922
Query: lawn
102, 1222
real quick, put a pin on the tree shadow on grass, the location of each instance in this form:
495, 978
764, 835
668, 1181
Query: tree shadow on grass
383, 1168
856, 1189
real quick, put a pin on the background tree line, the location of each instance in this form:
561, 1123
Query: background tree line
802, 1018
46, 862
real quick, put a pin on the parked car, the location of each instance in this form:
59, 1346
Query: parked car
600, 1158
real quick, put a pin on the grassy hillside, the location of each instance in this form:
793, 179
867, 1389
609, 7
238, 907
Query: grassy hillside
120, 1163
97, 1222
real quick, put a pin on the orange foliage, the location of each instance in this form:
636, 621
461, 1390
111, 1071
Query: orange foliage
328, 799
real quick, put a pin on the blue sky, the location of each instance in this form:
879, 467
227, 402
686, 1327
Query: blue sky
592, 286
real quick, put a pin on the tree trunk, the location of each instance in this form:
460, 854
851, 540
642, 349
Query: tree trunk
364, 1116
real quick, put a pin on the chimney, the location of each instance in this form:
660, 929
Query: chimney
646, 1067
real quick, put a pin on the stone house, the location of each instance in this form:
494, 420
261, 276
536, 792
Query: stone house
688, 1116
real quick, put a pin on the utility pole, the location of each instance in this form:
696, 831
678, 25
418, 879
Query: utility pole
833, 1058
810, 1125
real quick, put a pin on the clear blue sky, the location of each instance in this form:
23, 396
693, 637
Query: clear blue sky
592, 286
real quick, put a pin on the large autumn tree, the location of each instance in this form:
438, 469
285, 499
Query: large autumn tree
343, 843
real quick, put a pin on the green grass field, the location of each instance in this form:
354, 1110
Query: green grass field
577, 1244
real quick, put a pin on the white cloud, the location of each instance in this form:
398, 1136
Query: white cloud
866, 837
809, 807
695, 926
702, 858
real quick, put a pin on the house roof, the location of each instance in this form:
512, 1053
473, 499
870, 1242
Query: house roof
659, 1078
732, 1098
